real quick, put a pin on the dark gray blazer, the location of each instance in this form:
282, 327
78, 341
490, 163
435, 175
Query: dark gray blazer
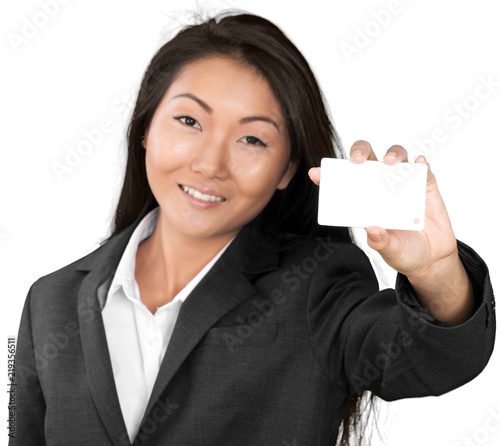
266, 349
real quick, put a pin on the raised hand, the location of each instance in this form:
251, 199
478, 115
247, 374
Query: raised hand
429, 258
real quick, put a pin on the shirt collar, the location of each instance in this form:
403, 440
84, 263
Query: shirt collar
125, 273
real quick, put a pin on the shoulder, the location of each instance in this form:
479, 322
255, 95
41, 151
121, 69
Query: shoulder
66, 273
328, 253
318, 264
64, 282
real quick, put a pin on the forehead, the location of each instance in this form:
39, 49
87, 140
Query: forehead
224, 80
215, 66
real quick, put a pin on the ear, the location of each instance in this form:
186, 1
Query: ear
288, 175
144, 140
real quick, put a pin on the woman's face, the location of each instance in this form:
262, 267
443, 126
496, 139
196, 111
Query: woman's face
217, 149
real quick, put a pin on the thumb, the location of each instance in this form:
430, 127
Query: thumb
314, 174
378, 238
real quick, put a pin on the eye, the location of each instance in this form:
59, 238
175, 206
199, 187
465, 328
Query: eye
190, 122
253, 141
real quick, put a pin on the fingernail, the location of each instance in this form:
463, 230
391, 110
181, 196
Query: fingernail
391, 157
374, 235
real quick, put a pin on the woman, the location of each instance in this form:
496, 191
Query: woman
218, 312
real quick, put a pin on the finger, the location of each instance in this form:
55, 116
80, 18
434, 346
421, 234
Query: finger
362, 151
378, 239
396, 154
314, 174
431, 179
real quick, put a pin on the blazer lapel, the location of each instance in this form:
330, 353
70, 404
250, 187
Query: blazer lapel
102, 263
224, 287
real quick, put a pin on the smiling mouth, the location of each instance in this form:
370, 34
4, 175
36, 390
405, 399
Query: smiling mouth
198, 195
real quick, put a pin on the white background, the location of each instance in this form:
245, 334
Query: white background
83, 65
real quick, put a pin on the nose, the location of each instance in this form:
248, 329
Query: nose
211, 160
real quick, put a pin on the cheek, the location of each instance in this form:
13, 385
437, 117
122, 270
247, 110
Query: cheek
156, 163
158, 167
166, 156
259, 179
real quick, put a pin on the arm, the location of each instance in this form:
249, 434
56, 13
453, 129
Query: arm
385, 341
435, 333
429, 258
30, 403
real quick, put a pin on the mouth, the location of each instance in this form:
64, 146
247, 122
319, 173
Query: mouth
200, 196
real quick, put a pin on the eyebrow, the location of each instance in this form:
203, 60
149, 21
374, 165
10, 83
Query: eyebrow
202, 104
244, 120
260, 118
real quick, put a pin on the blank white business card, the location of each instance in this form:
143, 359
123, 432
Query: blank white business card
372, 193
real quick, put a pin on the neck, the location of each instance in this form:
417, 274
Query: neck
167, 261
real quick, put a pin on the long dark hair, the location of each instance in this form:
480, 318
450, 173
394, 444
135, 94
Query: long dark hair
261, 45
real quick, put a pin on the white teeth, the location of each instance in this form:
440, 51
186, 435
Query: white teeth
199, 195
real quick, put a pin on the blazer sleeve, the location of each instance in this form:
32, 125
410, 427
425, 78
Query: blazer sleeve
384, 341
30, 402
